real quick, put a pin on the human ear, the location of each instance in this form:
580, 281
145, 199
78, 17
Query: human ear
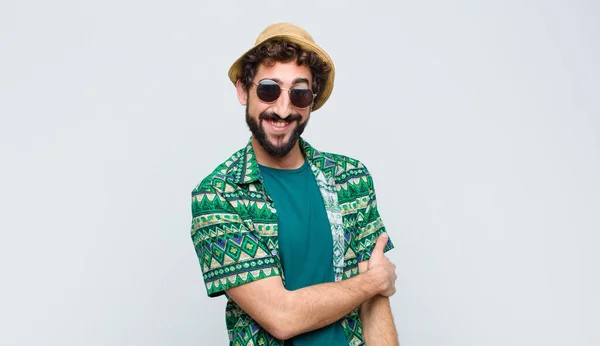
242, 93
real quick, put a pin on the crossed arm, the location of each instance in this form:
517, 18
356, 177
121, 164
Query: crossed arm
285, 314
377, 320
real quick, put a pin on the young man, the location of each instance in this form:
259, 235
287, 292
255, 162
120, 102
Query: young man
291, 235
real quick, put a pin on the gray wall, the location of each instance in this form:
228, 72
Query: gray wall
480, 123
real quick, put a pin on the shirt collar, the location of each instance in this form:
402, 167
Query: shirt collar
245, 169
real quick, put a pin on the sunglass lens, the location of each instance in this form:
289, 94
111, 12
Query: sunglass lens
268, 90
301, 97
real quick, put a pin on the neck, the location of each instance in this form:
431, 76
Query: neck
292, 160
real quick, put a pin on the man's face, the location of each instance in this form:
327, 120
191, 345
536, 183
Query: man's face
277, 125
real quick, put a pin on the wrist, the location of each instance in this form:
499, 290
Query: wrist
375, 282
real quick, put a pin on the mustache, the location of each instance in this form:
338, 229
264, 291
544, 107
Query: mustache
275, 117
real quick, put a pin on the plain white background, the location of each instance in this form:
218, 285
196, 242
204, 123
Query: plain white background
479, 122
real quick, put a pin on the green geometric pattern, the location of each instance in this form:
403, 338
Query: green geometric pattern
234, 231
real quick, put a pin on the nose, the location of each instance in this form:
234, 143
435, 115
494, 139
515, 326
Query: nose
283, 105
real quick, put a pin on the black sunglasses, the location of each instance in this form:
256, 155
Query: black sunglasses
269, 91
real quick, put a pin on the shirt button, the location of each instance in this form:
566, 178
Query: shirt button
274, 252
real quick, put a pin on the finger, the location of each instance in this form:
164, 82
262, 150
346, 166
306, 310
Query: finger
390, 292
381, 242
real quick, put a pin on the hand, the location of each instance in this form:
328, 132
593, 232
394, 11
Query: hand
383, 268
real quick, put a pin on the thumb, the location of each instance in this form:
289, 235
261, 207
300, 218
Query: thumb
380, 243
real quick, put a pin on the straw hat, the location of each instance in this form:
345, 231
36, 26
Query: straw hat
299, 36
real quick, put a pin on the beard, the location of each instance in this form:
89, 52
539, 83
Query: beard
275, 149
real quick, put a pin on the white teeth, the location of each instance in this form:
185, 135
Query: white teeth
278, 124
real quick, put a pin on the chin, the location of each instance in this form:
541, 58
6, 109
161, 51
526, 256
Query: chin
279, 144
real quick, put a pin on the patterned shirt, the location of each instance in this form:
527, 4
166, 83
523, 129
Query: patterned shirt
234, 231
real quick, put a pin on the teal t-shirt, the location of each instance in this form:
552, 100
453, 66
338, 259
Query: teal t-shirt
305, 240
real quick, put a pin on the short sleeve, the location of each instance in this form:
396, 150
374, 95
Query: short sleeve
369, 222
229, 253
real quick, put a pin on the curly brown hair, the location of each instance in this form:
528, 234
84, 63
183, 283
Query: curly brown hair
274, 51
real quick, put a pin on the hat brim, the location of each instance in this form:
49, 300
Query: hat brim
236, 68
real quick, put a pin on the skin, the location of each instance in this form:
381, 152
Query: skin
376, 315
285, 314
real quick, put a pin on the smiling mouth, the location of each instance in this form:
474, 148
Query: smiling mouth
278, 124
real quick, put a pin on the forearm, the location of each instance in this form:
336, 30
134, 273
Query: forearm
378, 323
317, 306
285, 314
376, 318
